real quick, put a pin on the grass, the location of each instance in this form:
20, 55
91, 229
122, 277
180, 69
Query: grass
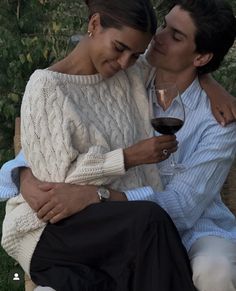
8, 266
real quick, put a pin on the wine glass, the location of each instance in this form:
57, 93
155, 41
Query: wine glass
167, 117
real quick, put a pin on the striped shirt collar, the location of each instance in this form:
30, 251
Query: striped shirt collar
194, 90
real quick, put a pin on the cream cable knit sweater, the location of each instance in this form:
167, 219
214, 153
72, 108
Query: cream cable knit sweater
73, 130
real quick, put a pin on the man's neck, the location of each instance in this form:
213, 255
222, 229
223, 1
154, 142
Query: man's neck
183, 80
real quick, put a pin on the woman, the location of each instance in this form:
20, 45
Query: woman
77, 116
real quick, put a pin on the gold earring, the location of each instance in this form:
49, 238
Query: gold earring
90, 34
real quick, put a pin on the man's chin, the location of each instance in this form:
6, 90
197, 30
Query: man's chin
150, 58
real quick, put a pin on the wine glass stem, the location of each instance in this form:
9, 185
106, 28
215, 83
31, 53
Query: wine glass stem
172, 162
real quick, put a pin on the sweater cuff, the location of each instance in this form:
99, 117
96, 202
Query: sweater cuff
114, 163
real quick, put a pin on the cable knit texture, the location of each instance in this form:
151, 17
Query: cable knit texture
73, 130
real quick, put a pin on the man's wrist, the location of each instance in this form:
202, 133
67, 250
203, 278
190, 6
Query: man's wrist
117, 195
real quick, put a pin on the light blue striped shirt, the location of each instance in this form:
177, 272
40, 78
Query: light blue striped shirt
192, 198
9, 177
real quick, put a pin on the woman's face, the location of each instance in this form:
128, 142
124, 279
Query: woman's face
112, 50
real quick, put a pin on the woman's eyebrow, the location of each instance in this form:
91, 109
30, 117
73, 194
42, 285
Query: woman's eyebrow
127, 47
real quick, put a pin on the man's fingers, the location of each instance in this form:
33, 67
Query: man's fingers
57, 218
46, 186
43, 211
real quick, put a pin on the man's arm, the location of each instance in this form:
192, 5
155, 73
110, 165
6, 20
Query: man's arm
60, 200
56, 201
9, 177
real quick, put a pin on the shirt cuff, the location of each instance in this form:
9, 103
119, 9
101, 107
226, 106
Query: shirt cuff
143, 193
9, 177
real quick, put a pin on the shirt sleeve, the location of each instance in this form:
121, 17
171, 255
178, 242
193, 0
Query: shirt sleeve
49, 129
9, 177
187, 195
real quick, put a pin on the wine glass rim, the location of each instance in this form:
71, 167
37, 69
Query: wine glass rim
165, 85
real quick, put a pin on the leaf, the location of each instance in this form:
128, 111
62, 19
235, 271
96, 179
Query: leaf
14, 97
56, 27
29, 59
45, 53
22, 58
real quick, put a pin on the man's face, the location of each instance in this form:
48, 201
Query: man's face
173, 47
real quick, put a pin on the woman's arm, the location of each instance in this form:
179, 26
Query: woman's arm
223, 104
48, 136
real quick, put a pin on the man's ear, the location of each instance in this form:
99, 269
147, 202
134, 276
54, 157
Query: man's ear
202, 59
94, 24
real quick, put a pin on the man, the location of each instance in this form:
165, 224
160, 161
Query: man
193, 40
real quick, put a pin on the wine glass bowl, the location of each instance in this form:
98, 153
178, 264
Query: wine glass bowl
167, 116
167, 125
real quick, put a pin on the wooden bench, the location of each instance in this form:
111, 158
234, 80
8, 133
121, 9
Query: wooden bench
29, 285
228, 193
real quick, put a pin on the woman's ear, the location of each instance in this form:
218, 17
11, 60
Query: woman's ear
94, 24
202, 59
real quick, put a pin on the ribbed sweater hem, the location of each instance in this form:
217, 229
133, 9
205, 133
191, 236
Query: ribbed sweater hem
27, 248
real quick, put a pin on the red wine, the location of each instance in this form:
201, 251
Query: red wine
167, 125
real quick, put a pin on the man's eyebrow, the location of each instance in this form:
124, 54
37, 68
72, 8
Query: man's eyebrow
176, 30
180, 32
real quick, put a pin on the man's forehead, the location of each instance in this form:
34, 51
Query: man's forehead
180, 21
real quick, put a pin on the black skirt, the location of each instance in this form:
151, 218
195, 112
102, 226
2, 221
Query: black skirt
113, 246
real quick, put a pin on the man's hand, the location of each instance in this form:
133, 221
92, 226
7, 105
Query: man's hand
32, 194
224, 108
56, 201
65, 200
223, 104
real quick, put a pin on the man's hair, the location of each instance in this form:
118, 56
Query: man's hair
216, 28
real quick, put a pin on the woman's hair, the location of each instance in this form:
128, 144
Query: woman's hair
137, 14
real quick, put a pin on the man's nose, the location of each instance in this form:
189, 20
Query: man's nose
160, 36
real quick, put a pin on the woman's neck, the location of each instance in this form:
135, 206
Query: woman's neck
78, 62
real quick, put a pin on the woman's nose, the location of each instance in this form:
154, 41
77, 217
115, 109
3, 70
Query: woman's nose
124, 61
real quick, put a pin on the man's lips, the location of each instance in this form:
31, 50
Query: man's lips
156, 48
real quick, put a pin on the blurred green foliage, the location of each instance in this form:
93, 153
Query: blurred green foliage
35, 33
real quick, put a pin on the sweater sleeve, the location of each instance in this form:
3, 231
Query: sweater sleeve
47, 129
146, 70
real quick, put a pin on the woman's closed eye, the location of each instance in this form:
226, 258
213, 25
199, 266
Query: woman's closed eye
119, 48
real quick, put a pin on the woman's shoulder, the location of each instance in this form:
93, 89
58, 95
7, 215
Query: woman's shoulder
142, 70
41, 86
44, 77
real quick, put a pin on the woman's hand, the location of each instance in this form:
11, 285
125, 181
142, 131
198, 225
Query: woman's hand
153, 150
